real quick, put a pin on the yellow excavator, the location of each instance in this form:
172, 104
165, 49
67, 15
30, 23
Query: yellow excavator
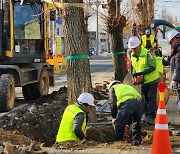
23, 46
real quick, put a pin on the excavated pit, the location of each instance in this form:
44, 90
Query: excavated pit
39, 122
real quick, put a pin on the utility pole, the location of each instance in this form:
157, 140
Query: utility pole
97, 3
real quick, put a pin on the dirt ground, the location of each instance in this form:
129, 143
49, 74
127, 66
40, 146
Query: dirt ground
39, 122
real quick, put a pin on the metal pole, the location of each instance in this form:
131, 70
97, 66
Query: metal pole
97, 34
1, 4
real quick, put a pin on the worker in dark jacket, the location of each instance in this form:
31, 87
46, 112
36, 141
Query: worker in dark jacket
173, 36
126, 107
74, 119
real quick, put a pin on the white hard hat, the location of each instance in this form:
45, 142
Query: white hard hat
112, 83
148, 31
86, 98
170, 34
133, 42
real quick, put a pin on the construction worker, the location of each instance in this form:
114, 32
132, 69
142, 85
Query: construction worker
126, 108
149, 41
160, 63
74, 119
173, 36
144, 69
49, 54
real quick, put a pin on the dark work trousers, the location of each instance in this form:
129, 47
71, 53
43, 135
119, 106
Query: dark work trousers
149, 92
129, 111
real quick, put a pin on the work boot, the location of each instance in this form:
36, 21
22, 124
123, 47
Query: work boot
176, 133
149, 121
135, 143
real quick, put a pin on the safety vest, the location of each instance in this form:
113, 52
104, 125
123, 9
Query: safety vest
144, 41
159, 64
140, 63
124, 92
65, 132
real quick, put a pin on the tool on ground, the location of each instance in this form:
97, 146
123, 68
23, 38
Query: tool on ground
98, 123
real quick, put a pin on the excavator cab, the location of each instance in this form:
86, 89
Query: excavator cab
23, 45
23, 32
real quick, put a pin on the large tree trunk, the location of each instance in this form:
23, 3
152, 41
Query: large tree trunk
78, 68
115, 24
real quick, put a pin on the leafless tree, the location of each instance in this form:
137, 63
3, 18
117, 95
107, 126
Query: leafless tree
115, 23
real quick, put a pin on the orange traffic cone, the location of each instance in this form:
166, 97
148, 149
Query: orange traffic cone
161, 140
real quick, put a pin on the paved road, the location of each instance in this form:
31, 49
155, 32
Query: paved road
101, 70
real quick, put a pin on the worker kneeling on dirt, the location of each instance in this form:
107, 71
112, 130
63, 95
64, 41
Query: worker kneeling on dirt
126, 107
74, 118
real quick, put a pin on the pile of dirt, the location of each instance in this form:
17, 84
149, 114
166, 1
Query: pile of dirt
103, 137
40, 122
14, 137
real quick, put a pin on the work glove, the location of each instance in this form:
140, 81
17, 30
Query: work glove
114, 122
174, 85
137, 74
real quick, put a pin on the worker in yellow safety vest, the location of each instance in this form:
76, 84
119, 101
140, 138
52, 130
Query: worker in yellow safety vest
144, 64
160, 63
74, 119
149, 41
126, 108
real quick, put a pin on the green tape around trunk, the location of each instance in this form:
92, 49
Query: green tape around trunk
118, 53
77, 57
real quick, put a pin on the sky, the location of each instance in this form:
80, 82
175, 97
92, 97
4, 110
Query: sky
172, 7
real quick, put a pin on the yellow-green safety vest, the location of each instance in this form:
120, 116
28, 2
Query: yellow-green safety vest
124, 92
140, 63
159, 64
65, 132
144, 41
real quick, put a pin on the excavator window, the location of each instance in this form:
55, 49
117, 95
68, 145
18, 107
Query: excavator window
28, 28
26, 23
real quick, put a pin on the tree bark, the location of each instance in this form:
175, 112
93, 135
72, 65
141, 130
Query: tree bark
143, 15
150, 10
78, 69
115, 25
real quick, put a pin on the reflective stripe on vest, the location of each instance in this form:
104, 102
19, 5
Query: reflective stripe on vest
124, 92
140, 63
159, 64
144, 41
65, 131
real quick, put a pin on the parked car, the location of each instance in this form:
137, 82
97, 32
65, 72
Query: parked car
92, 51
